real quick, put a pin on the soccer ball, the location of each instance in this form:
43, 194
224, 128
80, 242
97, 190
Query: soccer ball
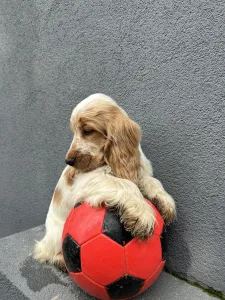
104, 259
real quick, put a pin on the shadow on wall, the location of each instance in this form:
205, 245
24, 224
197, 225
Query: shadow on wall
167, 149
178, 256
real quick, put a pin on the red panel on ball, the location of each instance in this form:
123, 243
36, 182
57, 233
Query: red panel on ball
143, 257
89, 286
159, 220
103, 260
86, 222
152, 278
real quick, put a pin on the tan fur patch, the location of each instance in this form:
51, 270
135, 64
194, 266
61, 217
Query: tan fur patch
96, 138
70, 175
57, 197
121, 150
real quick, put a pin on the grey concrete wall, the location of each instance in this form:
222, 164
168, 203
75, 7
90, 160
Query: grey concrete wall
164, 63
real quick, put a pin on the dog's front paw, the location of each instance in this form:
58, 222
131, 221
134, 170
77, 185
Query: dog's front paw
140, 224
166, 206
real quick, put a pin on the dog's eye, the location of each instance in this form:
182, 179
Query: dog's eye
87, 131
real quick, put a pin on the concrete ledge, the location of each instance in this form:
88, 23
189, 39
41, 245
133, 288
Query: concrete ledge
22, 278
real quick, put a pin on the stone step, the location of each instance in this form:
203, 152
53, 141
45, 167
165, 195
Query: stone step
22, 278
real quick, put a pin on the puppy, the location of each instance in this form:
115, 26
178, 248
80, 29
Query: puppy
105, 165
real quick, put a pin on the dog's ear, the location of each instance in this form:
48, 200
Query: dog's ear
122, 147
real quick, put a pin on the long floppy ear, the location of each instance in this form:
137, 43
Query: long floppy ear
121, 149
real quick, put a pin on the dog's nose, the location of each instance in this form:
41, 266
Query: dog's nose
70, 161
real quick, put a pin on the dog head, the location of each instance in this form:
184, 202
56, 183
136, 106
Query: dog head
104, 134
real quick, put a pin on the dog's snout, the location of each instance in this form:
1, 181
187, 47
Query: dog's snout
70, 161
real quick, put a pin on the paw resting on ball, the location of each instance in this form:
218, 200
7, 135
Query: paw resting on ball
138, 219
139, 222
166, 206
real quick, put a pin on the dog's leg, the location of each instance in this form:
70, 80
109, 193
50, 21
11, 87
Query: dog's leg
49, 248
123, 195
153, 189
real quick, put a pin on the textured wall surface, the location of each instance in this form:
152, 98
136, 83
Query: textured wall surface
163, 61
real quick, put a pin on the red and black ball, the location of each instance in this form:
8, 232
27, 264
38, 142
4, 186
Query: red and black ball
105, 260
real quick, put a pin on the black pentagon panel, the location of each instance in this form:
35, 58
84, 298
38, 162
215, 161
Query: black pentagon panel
125, 287
164, 243
113, 228
71, 253
77, 204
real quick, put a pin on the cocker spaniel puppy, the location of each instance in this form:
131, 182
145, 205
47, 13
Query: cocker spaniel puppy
105, 165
